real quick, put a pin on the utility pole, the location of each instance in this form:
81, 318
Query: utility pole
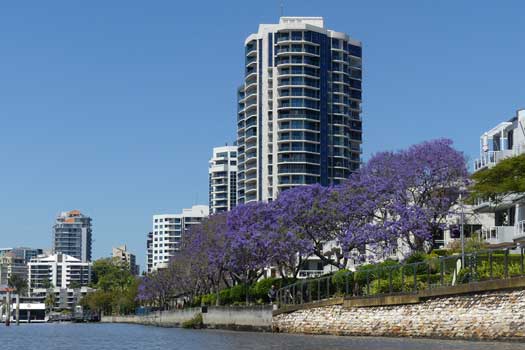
17, 314
462, 232
8, 308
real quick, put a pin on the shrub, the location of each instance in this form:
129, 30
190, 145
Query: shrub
238, 293
195, 322
259, 291
442, 252
340, 279
224, 297
482, 271
209, 299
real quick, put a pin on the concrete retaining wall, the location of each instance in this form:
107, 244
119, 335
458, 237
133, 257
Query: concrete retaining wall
485, 315
249, 318
238, 318
159, 318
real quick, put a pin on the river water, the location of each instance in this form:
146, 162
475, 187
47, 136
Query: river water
128, 337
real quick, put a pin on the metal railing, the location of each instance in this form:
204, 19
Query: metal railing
410, 278
520, 229
498, 234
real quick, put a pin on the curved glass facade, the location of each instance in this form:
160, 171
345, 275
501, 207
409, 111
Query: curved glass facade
299, 109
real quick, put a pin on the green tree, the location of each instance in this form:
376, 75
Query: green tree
504, 179
19, 283
116, 288
47, 284
50, 300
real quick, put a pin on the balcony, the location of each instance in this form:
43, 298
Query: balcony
309, 273
498, 234
520, 230
491, 158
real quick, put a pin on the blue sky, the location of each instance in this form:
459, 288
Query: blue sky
112, 107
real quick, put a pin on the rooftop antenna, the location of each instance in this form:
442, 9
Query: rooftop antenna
282, 8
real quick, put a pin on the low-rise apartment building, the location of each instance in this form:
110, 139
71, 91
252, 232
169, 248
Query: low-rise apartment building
168, 233
507, 215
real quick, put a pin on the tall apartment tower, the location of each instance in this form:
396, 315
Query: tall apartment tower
299, 109
223, 179
168, 234
72, 235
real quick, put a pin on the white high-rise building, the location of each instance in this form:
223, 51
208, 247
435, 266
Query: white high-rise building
223, 179
299, 108
168, 234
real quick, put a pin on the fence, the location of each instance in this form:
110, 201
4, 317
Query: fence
412, 278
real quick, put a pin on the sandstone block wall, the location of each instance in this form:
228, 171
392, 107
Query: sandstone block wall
489, 315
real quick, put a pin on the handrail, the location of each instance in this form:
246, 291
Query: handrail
407, 278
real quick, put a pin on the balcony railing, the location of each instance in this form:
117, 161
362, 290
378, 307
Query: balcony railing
491, 158
310, 273
520, 229
498, 234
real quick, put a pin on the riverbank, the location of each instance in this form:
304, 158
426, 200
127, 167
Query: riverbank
438, 314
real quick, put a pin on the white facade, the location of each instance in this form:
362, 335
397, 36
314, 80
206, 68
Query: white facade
222, 173
168, 233
299, 108
507, 217
59, 270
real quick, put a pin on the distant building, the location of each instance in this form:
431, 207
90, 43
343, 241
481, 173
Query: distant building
223, 179
149, 252
58, 270
65, 298
122, 254
72, 235
22, 252
168, 233
11, 264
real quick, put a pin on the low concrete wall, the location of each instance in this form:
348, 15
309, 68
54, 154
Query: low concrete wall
486, 315
257, 318
249, 318
158, 318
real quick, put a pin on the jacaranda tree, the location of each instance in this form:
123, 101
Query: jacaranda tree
407, 194
401, 197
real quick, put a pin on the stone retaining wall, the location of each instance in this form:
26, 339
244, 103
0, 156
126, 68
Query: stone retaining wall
488, 315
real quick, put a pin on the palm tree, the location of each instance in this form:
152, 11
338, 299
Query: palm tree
50, 300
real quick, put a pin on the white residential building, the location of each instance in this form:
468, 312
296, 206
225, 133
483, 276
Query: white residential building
168, 234
299, 108
58, 270
505, 140
223, 179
